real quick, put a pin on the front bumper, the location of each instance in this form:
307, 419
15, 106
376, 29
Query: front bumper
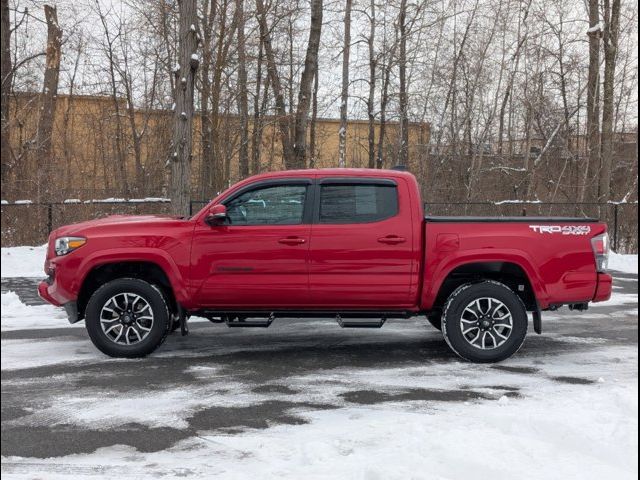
604, 288
44, 292
47, 291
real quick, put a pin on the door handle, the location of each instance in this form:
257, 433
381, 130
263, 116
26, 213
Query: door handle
292, 241
392, 240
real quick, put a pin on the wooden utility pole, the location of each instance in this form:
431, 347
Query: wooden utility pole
180, 160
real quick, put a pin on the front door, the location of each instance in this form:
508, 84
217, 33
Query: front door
260, 257
362, 247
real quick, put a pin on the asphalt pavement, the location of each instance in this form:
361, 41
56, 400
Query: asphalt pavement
250, 378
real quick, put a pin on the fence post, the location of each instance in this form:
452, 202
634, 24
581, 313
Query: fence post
49, 218
190, 208
615, 227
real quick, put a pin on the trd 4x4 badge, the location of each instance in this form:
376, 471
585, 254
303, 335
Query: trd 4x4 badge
564, 230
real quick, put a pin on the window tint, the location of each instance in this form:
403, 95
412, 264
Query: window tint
277, 205
357, 203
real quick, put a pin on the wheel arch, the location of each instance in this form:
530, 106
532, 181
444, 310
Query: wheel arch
147, 270
511, 273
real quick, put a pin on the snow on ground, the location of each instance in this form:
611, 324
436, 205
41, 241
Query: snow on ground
551, 431
18, 316
623, 263
23, 261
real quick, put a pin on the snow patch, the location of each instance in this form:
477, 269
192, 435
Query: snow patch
18, 316
623, 263
23, 261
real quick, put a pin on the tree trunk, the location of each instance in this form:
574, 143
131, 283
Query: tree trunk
593, 108
403, 158
344, 97
206, 135
372, 86
306, 82
276, 85
256, 133
180, 180
49, 96
611, 30
243, 100
7, 80
314, 123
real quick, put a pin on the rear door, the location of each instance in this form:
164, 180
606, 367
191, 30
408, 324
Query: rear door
260, 259
362, 247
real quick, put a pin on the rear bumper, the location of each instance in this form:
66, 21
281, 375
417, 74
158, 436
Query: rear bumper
604, 288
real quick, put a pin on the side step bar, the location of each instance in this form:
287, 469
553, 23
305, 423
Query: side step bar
360, 323
242, 322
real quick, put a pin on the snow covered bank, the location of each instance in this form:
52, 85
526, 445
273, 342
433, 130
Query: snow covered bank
23, 261
623, 263
18, 316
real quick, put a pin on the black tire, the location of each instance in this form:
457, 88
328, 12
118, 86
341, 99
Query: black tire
452, 319
435, 319
159, 328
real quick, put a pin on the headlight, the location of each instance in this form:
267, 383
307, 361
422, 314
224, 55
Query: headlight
66, 245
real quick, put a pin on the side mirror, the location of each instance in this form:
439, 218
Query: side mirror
216, 215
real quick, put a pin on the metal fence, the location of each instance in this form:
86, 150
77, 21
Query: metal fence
31, 223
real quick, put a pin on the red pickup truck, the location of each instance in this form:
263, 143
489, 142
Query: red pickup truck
342, 243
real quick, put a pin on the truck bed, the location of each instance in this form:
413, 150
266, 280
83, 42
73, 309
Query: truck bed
519, 219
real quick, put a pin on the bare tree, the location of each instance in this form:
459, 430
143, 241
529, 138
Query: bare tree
403, 158
180, 160
344, 97
371, 98
7, 79
593, 95
50, 84
610, 40
243, 98
306, 82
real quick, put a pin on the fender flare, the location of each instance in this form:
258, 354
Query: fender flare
468, 257
150, 255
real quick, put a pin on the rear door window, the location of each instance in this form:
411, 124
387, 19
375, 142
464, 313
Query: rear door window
358, 203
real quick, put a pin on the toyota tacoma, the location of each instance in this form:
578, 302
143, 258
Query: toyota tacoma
350, 244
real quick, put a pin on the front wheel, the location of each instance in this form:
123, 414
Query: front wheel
127, 317
484, 322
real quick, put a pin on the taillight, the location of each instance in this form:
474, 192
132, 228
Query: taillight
600, 245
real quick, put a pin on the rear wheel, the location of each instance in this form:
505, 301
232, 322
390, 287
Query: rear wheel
127, 317
484, 322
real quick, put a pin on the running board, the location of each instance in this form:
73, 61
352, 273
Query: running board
240, 322
356, 323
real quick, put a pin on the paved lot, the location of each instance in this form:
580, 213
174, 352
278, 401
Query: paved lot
75, 400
